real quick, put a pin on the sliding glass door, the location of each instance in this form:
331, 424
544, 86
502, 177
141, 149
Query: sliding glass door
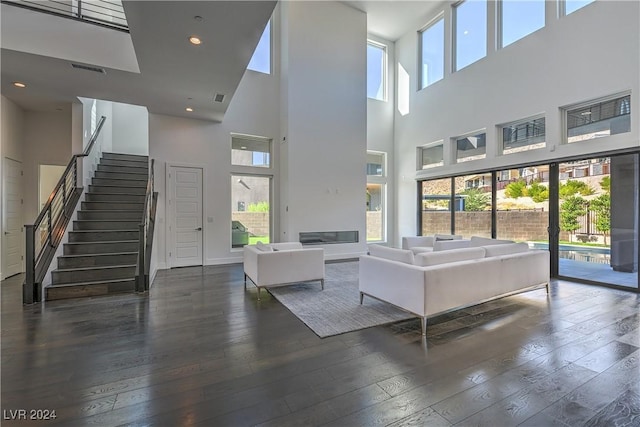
598, 211
585, 212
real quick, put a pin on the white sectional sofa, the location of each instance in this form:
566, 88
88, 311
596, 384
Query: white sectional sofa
279, 264
432, 283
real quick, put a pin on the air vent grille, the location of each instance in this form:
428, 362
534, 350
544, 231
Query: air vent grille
89, 68
218, 97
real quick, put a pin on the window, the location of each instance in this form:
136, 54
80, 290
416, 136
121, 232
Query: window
376, 71
250, 151
432, 53
436, 206
523, 135
599, 119
472, 147
261, 59
519, 19
470, 20
250, 210
375, 164
472, 213
571, 6
431, 155
376, 196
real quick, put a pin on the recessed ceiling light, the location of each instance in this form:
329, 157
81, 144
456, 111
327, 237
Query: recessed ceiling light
585, 113
189, 109
195, 40
198, 18
19, 84
243, 148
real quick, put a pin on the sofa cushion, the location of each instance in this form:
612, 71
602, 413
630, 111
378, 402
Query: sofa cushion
505, 249
263, 247
477, 241
445, 257
393, 254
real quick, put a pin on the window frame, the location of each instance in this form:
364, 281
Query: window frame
270, 44
500, 24
564, 111
263, 139
562, 7
500, 132
433, 22
454, 35
420, 156
454, 146
385, 69
382, 181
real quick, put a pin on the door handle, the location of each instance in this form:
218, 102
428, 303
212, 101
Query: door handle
6, 232
199, 229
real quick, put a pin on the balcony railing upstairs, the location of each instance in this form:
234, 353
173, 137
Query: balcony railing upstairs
106, 13
147, 227
45, 234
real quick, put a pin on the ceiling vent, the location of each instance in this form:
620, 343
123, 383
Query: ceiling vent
218, 97
89, 68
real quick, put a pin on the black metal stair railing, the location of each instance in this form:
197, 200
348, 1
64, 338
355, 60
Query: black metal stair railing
45, 234
146, 228
106, 13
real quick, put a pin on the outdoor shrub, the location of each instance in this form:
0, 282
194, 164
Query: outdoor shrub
573, 187
258, 207
476, 200
515, 189
570, 209
537, 192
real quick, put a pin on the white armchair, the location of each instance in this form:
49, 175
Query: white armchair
280, 264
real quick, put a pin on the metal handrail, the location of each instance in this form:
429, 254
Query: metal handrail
51, 223
146, 229
105, 13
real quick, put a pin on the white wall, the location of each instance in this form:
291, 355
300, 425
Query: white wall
47, 140
572, 59
179, 141
325, 126
130, 129
12, 124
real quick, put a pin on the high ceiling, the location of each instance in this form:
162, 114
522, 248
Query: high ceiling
391, 19
173, 73
156, 66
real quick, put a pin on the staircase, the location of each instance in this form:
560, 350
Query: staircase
101, 254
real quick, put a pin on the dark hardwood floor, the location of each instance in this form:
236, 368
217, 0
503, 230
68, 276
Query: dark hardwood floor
200, 351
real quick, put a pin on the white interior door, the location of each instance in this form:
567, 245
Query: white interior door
186, 220
12, 218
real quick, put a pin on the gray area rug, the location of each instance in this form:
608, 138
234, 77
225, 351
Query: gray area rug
337, 309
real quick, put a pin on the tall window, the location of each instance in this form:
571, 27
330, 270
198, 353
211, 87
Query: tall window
376, 196
261, 59
250, 210
523, 135
470, 21
598, 119
376, 71
520, 18
432, 53
571, 6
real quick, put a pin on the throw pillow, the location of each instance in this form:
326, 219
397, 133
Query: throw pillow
264, 248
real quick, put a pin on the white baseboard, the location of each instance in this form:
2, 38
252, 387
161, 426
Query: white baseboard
223, 261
